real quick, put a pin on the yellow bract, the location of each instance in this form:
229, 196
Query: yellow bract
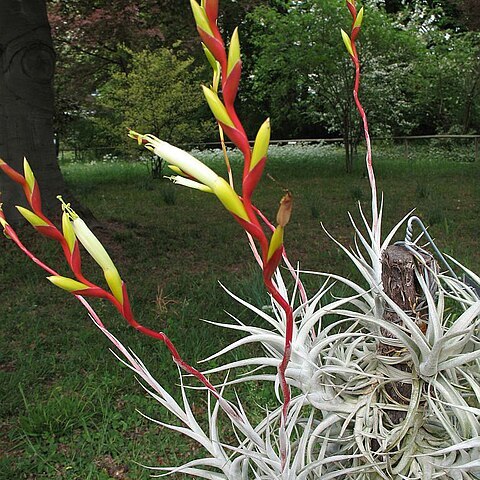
29, 177
358, 20
32, 218
276, 242
262, 141
68, 232
215, 67
201, 18
67, 284
347, 42
234, 51
3, 222
217, 107
230, 200
115, 283
175, 169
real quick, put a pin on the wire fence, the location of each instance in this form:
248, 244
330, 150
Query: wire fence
409, 145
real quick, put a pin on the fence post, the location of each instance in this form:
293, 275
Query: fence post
476, 149
405, 142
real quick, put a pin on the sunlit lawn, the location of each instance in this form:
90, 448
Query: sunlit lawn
68, 408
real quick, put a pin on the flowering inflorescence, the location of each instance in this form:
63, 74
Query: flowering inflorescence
325, 350
227, 67
189, 172
75, 232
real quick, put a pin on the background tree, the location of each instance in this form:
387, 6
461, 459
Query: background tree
420, 66
160, 94
447, 99
26, 99
90, 39
306, 83
96, 39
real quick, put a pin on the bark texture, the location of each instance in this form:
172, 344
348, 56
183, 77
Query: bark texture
26, 101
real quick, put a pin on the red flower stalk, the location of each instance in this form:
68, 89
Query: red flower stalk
80, 287
254, 163
357, 18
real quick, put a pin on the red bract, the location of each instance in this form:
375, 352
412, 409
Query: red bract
211, 8
253, 177
214, 45
230, 80
74, 261
238, 138
12, 174
357, 18
230, 88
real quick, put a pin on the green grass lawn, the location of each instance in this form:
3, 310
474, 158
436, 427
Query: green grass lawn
68, 408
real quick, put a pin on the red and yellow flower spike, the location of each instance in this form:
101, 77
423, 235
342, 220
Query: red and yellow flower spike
80, 287
349, 40
254, 163
227, 72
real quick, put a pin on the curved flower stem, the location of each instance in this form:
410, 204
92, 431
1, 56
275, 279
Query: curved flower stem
284, 363
151, 333
363, 115
357, 17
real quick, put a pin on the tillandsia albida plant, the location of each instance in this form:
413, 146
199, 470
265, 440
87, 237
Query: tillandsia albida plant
359, 396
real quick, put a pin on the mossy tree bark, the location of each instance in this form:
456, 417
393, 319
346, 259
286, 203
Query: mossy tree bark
27, 101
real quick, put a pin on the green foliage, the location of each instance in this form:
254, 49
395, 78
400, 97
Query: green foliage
420, 70
447, 97
159, 94
306, 83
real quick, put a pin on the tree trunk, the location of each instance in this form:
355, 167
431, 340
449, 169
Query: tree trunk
26, 101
